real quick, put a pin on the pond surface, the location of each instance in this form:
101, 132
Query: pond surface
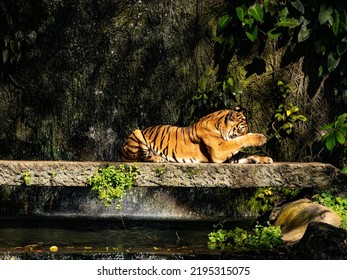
36, 235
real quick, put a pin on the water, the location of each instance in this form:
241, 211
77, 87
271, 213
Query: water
35, 235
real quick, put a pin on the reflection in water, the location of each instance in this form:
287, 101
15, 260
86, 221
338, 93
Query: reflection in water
78, 235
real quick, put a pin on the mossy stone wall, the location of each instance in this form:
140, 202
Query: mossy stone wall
100, 69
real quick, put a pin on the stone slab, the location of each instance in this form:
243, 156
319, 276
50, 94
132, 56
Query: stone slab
68, 173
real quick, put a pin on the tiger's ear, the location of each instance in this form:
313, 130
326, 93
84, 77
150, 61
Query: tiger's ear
238, 108
233, 114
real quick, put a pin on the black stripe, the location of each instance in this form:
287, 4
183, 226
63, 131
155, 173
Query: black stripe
174, 156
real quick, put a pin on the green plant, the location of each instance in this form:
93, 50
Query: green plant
265, 199
336, 203
268, 237
286, 115
111, 183
320, 23
222, 94
334, 138
17, 32
28, 181
336, 132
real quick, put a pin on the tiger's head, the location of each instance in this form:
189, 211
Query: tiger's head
233, 124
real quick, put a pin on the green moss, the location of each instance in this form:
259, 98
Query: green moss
28, 181
160, 171
191, 172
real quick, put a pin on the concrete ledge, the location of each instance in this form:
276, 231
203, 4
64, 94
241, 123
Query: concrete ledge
62, 173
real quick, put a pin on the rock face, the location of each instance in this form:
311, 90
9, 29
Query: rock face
60, 173
98, 70
322, 241
295, 216
162, 191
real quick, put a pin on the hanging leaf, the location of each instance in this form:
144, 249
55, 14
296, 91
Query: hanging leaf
342, 47
256, 12
299, 6
336, 23
224, 21
304, 33
327, 126
331, 141
341, 119
7, 39
273, 33
283, 13
320, 47
289, 22
343, 129
266, 5
252, 34
230, 82
333, 62
325, 14
241, 12
5, 55
301, 118
340, 137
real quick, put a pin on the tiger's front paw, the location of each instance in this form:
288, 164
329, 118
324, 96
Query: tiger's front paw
256, 139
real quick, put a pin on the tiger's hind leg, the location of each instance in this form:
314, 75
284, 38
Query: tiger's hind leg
136, 148
155, 159
246, 158
259, 159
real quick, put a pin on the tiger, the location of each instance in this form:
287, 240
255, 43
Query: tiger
215, 138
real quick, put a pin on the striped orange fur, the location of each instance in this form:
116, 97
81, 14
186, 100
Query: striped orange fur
216, 138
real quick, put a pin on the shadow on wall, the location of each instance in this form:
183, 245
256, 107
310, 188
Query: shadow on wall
98, 70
